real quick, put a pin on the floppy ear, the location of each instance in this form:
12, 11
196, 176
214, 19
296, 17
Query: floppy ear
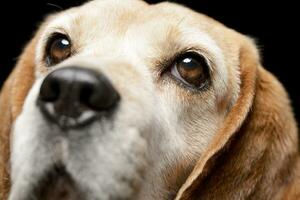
255, 154
12, 97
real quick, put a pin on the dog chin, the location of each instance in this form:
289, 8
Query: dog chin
117, 175
57, 184
77, 167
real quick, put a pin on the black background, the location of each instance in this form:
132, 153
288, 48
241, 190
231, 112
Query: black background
274, 24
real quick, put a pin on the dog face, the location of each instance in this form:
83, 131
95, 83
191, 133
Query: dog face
125, 99
167, 94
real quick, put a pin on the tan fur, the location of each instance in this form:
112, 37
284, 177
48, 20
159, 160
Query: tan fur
254, 154
11, 101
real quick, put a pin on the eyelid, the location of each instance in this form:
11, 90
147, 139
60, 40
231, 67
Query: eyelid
53, 36
204, 54
50, 39
167, 63
165, 67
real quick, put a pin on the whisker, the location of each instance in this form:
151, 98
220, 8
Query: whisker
55, 6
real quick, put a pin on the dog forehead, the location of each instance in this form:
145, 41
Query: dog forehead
107, 26
103, 18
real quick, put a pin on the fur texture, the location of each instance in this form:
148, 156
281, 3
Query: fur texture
235, 140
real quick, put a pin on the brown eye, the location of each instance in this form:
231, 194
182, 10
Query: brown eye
58, 49
191, 69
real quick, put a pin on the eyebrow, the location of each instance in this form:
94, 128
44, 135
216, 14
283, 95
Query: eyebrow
174, 45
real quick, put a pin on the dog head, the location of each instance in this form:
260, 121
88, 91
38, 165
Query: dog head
125, 100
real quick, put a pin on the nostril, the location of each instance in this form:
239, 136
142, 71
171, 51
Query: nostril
103, 102
50, 90
74, 96
97, 93
87, 91
99, 96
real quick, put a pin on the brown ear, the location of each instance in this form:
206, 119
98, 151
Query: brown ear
254, 155
12, 97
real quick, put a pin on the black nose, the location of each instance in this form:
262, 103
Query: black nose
73, 96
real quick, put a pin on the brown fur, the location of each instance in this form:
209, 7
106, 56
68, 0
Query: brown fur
254, 156
12, 98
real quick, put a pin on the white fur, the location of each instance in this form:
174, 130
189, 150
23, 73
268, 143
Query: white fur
154, 128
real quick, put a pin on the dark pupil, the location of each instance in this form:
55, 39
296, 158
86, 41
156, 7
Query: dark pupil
62, 44
190, 63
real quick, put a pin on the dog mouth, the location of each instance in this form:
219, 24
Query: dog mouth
56, 184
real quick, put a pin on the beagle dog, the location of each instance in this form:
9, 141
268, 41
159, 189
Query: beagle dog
118, 99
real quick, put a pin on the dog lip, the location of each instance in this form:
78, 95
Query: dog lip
56, 184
